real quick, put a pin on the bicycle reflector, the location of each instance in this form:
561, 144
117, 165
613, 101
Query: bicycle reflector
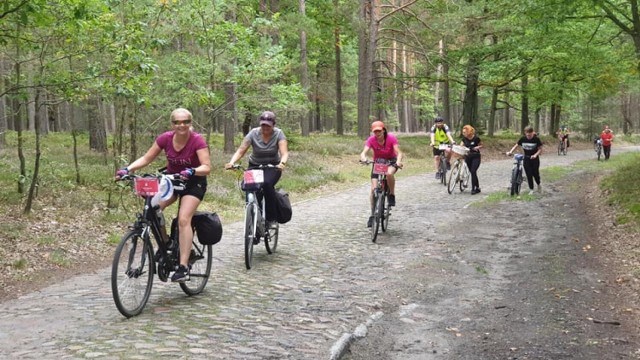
146, 186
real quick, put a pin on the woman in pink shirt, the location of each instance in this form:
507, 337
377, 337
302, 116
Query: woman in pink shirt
385, 148
188, 155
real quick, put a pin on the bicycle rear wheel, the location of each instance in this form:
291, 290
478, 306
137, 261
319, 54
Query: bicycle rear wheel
132, 273
454, 176
200, 263
378, 200
250, 234
271, 237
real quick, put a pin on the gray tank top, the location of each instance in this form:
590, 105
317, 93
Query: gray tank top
264, 153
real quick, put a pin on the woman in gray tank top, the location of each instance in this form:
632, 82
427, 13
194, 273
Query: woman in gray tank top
268, 146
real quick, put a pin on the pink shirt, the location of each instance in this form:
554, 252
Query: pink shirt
384, 151
187, 157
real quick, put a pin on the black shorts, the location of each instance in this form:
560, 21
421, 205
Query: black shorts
196, 186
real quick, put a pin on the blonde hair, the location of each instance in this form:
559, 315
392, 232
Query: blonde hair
470, 130
180, 111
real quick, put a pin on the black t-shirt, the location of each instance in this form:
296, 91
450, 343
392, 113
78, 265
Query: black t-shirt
471, 143
530, 146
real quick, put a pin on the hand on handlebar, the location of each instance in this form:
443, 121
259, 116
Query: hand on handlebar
122, 172
508, 153
187, 173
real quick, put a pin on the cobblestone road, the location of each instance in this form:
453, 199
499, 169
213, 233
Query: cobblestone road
325, 279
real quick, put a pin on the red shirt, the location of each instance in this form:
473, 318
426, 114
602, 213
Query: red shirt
606, 138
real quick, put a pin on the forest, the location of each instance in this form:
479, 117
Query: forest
114, 69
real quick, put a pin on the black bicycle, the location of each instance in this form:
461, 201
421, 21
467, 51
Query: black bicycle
442, 164
562, 147
136, 260
380, 211
597, 147
255, 223
516, 174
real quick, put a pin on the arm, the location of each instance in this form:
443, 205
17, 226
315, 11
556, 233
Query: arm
537, 152
363, 154
450, 137
145, 159
480, 146
432, 136
399, 155
283, 148
205, 163
242, 150
512, 149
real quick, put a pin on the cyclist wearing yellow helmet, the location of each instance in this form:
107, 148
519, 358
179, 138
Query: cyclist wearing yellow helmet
385, 147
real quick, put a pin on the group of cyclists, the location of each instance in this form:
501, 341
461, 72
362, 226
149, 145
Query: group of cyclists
187, 154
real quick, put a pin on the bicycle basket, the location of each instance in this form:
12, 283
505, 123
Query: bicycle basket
379, 168
253, 179
146, 186
459, 151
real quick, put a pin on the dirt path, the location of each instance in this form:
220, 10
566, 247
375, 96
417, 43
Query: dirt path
512, 280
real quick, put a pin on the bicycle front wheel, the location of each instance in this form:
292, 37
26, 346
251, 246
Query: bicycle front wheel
378, 200
250, 233
200, 262
443, 170
132, 273
560, 148
454, 176
386, 211
271, 237
464, 177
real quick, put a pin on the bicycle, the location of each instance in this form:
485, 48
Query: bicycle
255, 223
380, 210
562, 147
597, 147
460, 173
442, 165
136, 260
516, 174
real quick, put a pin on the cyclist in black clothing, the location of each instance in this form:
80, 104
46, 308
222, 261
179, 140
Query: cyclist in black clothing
532, 147
471, 141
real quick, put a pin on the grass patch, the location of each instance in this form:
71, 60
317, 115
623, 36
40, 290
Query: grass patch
46, 240
19, 264
59, 258
555, 173
622, 185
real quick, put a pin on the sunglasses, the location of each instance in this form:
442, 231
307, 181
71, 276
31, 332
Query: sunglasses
181, 122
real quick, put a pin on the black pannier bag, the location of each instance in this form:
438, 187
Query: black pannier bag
284, 210
207, 226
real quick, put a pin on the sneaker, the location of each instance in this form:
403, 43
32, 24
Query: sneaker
370, 222
531, 192
181, 275
392, 200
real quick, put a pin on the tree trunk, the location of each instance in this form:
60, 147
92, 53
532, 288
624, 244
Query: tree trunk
97, 132
366, 50
470, 101
338, 45
36, 167
492, 112
524, 120
307, 119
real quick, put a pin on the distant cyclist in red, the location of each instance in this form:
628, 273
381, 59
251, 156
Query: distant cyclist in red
385, 147
607, 138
